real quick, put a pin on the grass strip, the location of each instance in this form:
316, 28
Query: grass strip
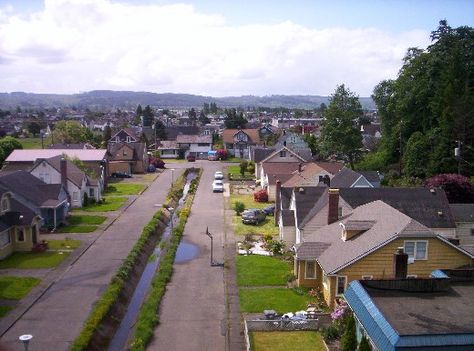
33, 260
148, 317
86, 220
4, 310
15, 288
107, 300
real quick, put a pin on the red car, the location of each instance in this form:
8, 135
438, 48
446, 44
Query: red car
191, 158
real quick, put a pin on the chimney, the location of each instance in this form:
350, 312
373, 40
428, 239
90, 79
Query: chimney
400, 264
333, 205
63, 170
300, 167
277, 202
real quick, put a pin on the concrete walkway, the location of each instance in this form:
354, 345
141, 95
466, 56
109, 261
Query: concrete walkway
55, 315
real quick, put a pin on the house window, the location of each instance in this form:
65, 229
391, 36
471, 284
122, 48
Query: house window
341, 284
472, 231
91, 192
241, 137
203, 144
367, 277
75, 196
412, 276
4, 239
283, 153
5, 205
339, 212
416, 250
20, 235
310, 270
128, 139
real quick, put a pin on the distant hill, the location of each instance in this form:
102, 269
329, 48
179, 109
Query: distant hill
130, 99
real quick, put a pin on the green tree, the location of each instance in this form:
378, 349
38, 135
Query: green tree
416, 156
148, 116
364, 345
69, 132
203, 118
313, 143
349, 338
7, 145
340, 134
107, 134
160, 130
239, 207
34, 128
243, 167
139, 110
234, 120
192, 114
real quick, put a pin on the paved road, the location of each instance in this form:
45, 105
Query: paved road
193, 314
57, 317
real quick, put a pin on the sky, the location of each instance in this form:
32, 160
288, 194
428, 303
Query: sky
214, 47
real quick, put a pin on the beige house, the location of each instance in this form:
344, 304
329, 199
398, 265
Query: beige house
128, 157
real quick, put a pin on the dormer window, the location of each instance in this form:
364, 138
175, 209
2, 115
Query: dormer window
282, 153
5, 205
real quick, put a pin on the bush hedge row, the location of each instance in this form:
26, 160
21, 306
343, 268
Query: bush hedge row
106, 302
148, 317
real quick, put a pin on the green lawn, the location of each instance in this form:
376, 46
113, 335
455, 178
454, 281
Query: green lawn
282, 341
232, 159
173, 160
77, 229
89, 220
15, 288
67, 244
108, 204
34, 143
281, 300
119, 189
254, 270
264, 228
234, 172
4, 310
27, 260
247, 201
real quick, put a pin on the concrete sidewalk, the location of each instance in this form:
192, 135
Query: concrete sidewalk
57, 314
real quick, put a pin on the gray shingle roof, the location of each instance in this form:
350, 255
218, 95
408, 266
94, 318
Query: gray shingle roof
310, 250
462, 212
305, 199
260, 154
344, 178
288, 218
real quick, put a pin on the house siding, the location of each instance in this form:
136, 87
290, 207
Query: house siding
288, 235
7, 249
308, 283
464, 235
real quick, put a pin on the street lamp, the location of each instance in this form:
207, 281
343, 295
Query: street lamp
213, 264
172, 176
25, 339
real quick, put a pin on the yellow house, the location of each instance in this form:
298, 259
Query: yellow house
362, 246
19, 226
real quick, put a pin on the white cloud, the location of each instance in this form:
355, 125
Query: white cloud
80, 45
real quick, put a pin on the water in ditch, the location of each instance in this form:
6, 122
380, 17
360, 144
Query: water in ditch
186, 251
122, 334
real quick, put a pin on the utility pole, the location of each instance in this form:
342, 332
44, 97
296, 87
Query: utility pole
457, 155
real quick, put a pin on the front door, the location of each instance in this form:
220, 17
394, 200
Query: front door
34, 235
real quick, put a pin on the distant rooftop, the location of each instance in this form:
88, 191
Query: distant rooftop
31, 155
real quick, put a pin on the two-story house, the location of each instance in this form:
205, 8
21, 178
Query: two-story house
238, 142
195, 145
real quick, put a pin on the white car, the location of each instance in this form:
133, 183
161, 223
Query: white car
218, 175
217, 186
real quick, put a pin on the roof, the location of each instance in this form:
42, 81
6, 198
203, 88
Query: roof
31, 188
228, 135
371, 129
128, 131
388, 224
345, 178
331, 167
74, 174
189, 139
260, 154
309, 170
274, 168
429, 207
305, 199
309, 250
71, 146
288, 218
31, 155
285, 196
428, 319
462, 212
139, 148
284, 148
173, 132
371, 176
168, 144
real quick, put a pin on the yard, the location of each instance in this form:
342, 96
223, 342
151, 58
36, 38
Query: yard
119, 189
282, 300
255, 270
267, 227
34, 143
82, 224
234, 173
67, 244
29, 260
282, 341
108, 204
15, 288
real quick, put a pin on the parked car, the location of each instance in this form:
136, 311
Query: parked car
121, 175
217, 186
191, 158
269, 210
218, 175
253, 216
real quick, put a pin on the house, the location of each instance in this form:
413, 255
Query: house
19, 225
59, 170
415, 314
347, 178
173, 131
96, 161
168, 149
430, 207
371, 134
195, 145
124, 135
361, 246
128, 157
50, 201
266, 131
464, 217
311, 174
291, 140
238, 142
272, 172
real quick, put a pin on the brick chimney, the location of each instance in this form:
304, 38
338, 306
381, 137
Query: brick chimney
63, 170
277, 202
333, 205
400, 264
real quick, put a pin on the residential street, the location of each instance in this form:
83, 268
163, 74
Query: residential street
58, 315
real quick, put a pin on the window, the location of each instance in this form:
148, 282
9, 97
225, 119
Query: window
203, 144
416, 250
339, 212
91, 192
412, 276
283, 153
20, 235
472, 231
341, 285
5, 204
75, 196
310, 270
367, 277
4, 239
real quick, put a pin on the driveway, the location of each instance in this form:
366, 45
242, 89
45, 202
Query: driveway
193, 313
58, 315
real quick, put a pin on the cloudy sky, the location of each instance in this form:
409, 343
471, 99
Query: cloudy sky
213, 47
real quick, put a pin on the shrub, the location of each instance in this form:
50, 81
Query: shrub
251, 167
364, 345
267, 238
260, 196
157, 162
243, 167
222, 154
330, 333
239, 207
349, 339
458, 188
276, 247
